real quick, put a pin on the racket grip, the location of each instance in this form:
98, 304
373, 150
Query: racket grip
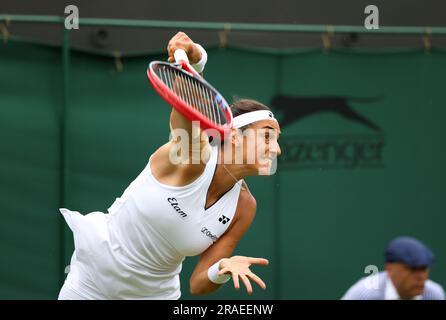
180, 55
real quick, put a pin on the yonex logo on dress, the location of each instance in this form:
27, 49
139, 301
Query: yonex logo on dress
173, 202
223, 219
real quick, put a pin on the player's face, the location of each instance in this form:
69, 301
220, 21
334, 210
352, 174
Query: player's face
409, 281
261, 145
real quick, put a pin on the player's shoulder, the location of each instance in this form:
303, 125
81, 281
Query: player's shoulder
246, 199
246, 205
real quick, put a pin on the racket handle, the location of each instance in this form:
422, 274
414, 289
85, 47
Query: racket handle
180, 55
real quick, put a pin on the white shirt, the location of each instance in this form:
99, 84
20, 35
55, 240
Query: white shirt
379, 287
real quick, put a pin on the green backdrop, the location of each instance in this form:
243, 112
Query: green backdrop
321, 219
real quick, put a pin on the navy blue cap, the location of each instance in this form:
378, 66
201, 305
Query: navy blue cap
409, 251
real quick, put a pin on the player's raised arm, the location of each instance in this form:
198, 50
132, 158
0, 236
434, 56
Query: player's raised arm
180, 126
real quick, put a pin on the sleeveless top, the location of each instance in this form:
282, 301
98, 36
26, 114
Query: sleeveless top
136, 250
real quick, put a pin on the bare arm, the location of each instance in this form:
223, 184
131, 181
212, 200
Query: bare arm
182, 41
181, 160
237, 266
179, 125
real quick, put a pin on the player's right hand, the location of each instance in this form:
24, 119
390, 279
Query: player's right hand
182, 41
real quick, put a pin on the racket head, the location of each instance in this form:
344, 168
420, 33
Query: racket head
191, 95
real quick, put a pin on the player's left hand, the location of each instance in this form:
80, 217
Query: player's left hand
238, 267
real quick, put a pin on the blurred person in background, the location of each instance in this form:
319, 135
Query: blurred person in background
406, 275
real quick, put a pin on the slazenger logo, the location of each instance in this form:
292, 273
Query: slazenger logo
332, 150
174, 203
209, 234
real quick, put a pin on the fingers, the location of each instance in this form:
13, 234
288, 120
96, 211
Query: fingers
260, 261
246, 283
178, 41
257, 280
236, 281
182, 41
245, 279
238, 266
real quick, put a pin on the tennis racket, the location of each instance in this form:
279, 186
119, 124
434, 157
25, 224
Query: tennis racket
183, 88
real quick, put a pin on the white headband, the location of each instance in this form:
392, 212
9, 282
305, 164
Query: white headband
250, 117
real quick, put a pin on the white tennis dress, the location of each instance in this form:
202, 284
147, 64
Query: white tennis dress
136, 250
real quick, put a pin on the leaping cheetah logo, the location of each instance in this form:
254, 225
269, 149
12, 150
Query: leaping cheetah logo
295, 108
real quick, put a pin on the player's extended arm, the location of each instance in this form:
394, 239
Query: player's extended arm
236, 266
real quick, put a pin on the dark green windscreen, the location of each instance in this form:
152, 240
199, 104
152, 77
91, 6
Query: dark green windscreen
362, 159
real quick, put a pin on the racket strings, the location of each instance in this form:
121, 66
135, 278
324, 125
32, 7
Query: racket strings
193, 92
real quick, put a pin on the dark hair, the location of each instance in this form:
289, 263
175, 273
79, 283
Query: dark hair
246, 105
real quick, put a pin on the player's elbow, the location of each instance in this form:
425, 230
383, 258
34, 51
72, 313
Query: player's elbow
199, 288
196, 289
195, 292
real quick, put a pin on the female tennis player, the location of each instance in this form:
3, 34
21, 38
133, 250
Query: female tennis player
171, 211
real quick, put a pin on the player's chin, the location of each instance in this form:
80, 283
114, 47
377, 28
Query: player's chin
265, 167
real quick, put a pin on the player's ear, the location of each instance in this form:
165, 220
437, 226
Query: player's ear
236, 136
